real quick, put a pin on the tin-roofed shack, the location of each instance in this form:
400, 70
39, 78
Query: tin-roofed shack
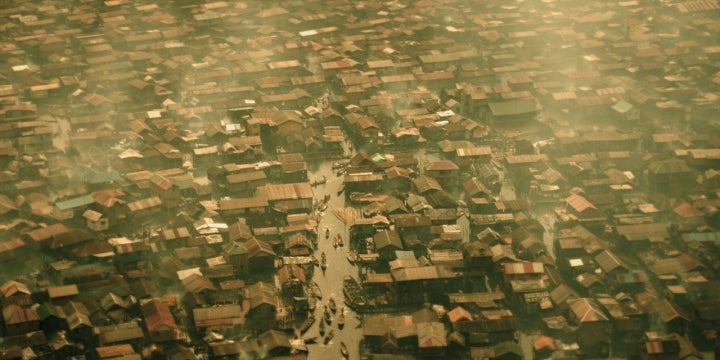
288, 198
512, 112
417, 284
163, 90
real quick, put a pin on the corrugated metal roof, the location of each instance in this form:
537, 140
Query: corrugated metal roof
157, 314
525, 158
362, 177
176, 233
75, 202
246, 176
579, 203
654, 231
120, 332
466, 298
275, 192
431, 334
11, 244
92, 215
144, 203
62, 291
513, 107
609, 262
587, 310
441, 165
676, 265
113, 351
474, 151
243, 203
697, 5
518, 268
415, 273
161, 182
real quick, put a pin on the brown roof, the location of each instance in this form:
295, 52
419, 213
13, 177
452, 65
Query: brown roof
15, 314
196, 283
157, 314
275, 192
673, 166
441, 165
224, 315
425, 183
609, 262
587, 310
474, 151
246, 176
291, 272
421, 273
410, 220
562, 293
243, 203
516, 268
387, 238
431, 334
144, 203
475, 186
363, 177
239, 231
686, 210
13, 287
113, 351
261, 293
273, 339
669, 311
11, 245
680, 264
120, 332
62, 291
176, 233
47, 232
459, 313
161, 182
298, 240
72, 237
653, 232
525, 159
380, 325
579, 203
256, 247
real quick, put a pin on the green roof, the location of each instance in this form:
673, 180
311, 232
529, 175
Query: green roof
622, 107
237, 249
513, 107
508, 347
703, 237
75, 202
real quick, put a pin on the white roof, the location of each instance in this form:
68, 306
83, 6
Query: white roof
183, 274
